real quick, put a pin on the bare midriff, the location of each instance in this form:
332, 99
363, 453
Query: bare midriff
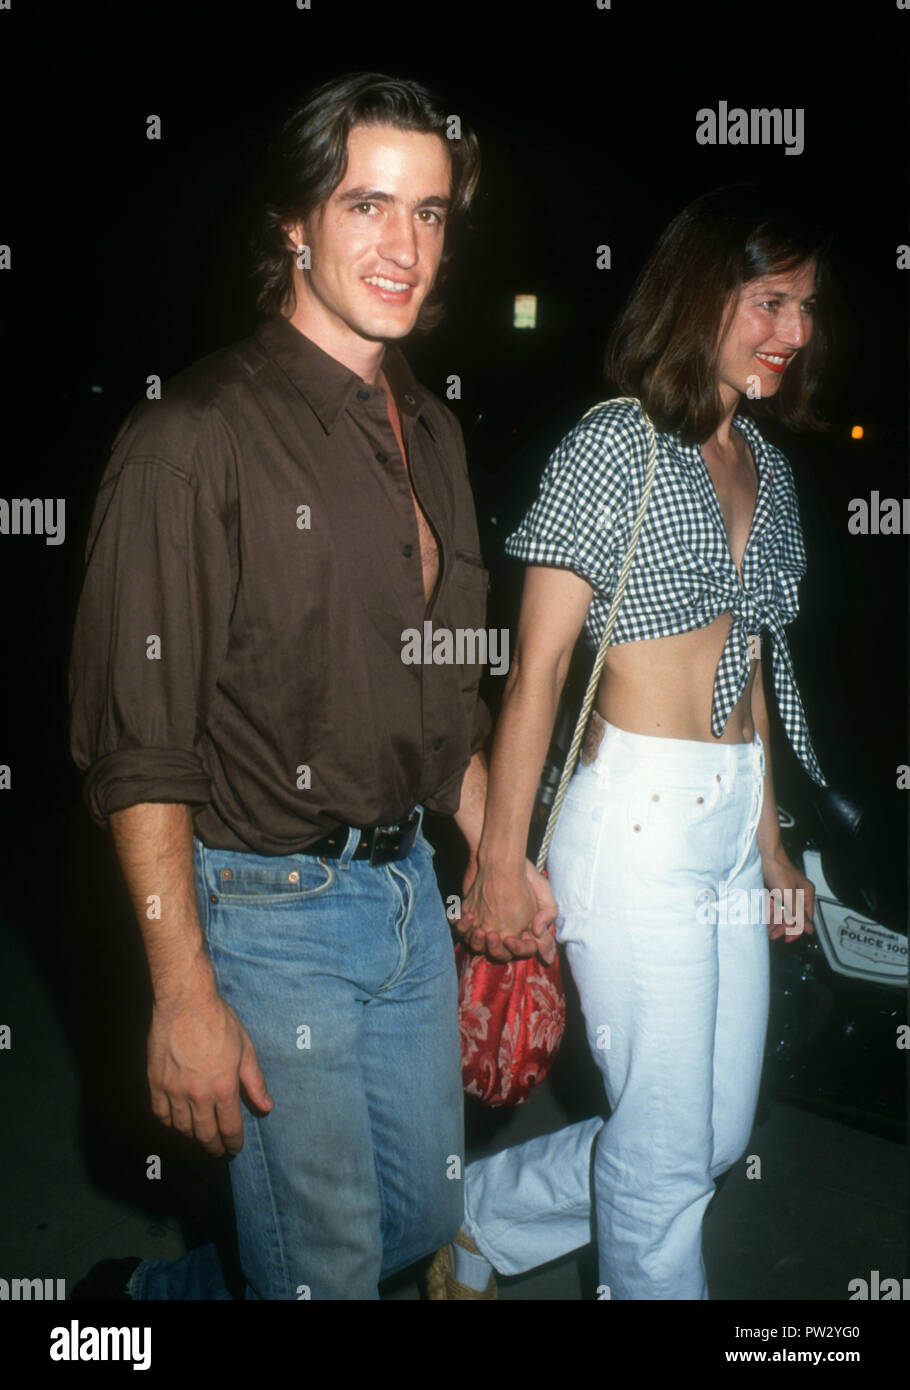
665, 687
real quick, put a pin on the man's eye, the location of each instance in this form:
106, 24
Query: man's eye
429, 213
809, 307
771, 304
359, 206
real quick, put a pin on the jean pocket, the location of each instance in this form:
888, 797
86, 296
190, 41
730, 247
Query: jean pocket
676, 827
287, 882
573, 855
658, 804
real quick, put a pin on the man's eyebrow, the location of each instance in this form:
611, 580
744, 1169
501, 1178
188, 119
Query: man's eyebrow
376, 195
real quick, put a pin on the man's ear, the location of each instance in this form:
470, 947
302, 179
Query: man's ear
296, 234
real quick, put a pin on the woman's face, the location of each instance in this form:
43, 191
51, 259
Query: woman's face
772, 321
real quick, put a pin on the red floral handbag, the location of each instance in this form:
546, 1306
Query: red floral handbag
512, 1018
512, 1015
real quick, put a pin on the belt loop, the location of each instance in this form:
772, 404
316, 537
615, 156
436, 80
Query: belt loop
344, 858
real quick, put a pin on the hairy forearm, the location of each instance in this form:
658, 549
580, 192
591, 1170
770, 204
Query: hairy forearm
519, 747
154, 844
470, 813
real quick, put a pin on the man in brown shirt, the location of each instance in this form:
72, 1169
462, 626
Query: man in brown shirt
263, 537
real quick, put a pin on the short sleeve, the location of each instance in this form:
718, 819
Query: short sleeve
150, 636
579, 519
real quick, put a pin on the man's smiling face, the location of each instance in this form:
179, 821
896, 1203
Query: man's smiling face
376, 244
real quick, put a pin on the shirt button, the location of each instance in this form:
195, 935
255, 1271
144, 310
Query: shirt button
409, 400
438, 745
381, 457
226, 873
294, 876
363, 394
407, 551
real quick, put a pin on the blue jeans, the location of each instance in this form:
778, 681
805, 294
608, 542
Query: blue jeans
656, 871
343, 976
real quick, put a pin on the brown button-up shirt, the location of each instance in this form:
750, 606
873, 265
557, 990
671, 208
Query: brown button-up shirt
253, 563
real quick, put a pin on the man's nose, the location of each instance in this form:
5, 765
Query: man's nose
399, 240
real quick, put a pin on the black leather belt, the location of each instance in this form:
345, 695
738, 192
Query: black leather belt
381, 844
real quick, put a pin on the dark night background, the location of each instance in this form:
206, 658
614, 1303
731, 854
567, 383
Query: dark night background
130, 258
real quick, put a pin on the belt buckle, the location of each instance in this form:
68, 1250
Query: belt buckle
391, 842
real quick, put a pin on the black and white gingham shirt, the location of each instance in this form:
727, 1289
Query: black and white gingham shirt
683, 575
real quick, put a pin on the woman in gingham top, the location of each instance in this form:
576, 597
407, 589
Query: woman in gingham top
669, 834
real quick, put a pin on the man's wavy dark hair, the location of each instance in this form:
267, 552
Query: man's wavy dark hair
666, 344
307, 160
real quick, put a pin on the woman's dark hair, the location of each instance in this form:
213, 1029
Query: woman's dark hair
308, 157
666, 345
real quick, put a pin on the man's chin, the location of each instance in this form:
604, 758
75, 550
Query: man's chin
389, 330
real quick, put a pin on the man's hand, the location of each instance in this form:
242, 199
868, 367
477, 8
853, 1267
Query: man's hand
793, 915
508, 920
199, 1055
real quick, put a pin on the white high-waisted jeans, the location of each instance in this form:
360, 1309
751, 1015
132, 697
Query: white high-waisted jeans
673, 980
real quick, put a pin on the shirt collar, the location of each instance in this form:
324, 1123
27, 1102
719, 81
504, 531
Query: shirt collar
754, 436
748, 428
325, 383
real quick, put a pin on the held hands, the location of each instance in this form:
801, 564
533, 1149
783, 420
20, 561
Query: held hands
791, 913
508, 917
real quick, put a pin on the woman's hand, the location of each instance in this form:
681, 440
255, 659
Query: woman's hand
508, 916
794, 913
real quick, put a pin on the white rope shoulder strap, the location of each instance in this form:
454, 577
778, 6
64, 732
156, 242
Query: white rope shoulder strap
572, 756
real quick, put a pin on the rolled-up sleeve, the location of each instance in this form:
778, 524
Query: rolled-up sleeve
578, 518
150, 636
